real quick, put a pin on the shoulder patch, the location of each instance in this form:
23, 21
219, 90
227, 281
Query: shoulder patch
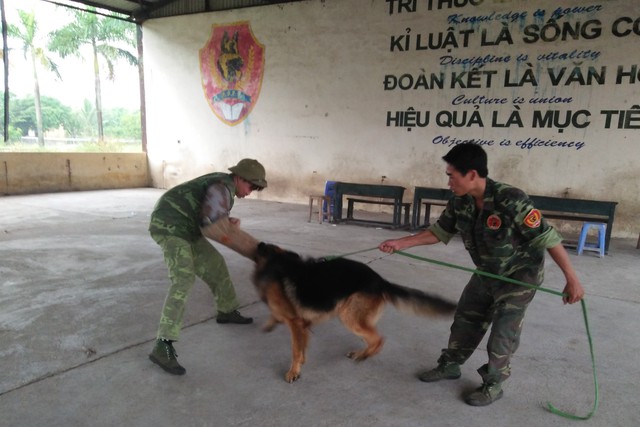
533, 218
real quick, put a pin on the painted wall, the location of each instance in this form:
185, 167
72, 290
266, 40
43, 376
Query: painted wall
378, 91
29, 173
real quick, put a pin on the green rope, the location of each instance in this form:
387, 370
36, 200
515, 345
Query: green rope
329, 258
550, 407
481, 273
556, 411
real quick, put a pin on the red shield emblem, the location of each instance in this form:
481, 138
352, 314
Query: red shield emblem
231, 66
533, 218
494, 222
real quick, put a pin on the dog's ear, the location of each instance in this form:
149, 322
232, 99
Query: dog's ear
261, 249
266, 249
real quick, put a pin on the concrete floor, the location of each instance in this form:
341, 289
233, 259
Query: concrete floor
82, 285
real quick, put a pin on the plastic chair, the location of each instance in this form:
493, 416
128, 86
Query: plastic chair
596, 247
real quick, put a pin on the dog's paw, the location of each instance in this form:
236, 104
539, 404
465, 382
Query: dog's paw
357, 356
269, 325
291, 377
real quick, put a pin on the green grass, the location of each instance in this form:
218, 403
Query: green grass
106, 146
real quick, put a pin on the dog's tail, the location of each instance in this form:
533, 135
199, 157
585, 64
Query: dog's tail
416, 301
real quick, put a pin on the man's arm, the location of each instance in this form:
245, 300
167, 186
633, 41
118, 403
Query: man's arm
424, 238
216, 204
216, 224
573, 288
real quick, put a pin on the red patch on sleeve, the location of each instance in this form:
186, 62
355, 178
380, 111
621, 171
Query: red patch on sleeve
533, 219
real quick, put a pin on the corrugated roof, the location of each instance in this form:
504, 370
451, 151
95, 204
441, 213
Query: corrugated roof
141, 10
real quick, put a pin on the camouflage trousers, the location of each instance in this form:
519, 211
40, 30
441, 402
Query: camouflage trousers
186, 260
483, 303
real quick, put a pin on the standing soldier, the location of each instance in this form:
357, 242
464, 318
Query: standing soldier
180, 223
505, 235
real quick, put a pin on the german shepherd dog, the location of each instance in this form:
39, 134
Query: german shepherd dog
301, 292
230, 62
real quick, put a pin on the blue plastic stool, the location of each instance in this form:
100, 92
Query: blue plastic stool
582, 242
327, 208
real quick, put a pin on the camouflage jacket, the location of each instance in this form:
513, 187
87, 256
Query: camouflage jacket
181, 210
507, 237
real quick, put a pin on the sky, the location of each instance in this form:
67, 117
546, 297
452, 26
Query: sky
77, 76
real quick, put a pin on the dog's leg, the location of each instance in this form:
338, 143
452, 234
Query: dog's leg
360, 316
299, 339
282, 310
374, 343
305, 342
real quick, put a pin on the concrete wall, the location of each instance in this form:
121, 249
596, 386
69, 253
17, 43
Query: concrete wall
28, 173
377, 91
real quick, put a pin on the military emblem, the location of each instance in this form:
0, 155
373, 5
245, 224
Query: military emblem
232, 66
533, 218
494, 222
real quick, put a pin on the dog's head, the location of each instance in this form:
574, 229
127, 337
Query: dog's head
272, 262
267, 252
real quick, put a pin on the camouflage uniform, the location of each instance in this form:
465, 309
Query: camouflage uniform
175, 226
508, 237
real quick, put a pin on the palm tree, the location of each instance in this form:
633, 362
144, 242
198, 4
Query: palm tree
27, 33
105, 36
86, 117
5, 63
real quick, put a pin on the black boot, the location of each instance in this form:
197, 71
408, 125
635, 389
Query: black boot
233, 317
165, 356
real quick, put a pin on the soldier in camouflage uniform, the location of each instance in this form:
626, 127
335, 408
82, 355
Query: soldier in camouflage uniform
505, 235
175, 225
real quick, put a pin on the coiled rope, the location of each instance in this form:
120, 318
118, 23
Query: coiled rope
583, 304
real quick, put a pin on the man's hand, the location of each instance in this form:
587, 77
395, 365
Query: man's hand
424, 238
389, 246
574, 292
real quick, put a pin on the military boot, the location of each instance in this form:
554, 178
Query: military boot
444, 371
165, 356
233, 317
484, 395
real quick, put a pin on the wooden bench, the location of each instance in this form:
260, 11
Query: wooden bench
351, 201
428, 197
391, 195
578, 210
551, 208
